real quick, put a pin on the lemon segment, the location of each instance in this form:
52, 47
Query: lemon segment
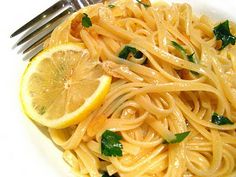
62, 85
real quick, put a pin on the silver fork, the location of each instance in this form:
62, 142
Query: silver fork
40, 28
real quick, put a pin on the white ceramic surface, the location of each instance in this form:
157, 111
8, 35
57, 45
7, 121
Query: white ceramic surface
24, 150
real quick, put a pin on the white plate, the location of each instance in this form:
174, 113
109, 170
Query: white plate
25, 151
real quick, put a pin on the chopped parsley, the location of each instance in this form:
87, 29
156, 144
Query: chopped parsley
178, 138
220, 120
86, 21
111, 6
124, 53
110, 145
144, 4
222, 32
179, 48
183, 52
191, 58
105, 174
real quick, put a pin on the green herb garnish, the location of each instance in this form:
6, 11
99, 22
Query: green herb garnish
191, 58
86, 21
144, 4
178, 138
111, 6
124, 53
105, 174
183, 52
222, 32
110, 145
220, 120
180, 49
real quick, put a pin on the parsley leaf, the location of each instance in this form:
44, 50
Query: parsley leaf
184, 54
127, 49
144, 4
86, 21
178, 138
222, 32
220, 120
191, 58
110, 145
105, 174
179, 48
111, 6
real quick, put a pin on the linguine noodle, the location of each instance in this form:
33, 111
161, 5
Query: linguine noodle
154, 97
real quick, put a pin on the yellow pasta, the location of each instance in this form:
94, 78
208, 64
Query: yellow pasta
155, 97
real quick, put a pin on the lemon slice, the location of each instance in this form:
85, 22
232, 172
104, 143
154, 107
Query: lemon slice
62, 85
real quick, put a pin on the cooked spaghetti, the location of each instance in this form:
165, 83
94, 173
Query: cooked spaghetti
171, 77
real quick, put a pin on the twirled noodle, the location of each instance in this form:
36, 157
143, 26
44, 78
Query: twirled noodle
150, 102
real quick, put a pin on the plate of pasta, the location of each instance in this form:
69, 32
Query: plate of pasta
138, 89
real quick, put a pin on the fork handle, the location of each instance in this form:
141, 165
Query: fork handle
78, 4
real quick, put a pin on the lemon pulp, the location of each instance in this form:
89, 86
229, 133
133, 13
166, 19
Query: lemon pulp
62, 85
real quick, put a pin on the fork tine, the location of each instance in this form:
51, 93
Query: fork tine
45, 26
38, 42
29, 56
41, 16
